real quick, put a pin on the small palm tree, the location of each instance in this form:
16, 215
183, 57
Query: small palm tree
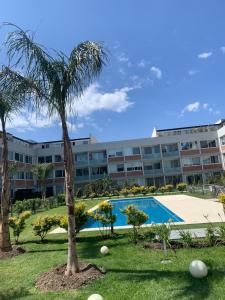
62, 78
42, 172
9, 103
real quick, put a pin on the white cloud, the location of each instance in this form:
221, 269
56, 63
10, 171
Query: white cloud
122, 57
192, 107
192, 72
93, 100
222, 49
204, 55
156, 72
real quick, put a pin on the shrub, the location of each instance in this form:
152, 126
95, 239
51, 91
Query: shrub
42, 225
81, 217
136, 218
163, 232
221, 198
152, 189
61, 199
181, 186
162, 189
18, 224
125, 191
168, 188
104, 215
210, 236
28, 204
186, 238
221, 232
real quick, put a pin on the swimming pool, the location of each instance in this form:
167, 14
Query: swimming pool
156, 211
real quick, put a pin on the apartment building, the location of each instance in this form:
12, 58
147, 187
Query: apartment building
190, 154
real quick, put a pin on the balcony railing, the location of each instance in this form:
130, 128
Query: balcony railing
171, 153
172, 170
81, 178
98, 176
97, 161
153, 172
151, 156
81, 162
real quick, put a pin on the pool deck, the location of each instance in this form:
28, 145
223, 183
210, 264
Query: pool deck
191, 209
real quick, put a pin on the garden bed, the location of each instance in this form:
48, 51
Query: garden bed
55, 279
16, 250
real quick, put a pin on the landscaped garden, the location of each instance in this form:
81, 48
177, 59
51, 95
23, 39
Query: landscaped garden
132, 270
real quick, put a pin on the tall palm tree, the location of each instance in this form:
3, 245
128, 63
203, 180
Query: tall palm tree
42, 171
64, 78
9, 103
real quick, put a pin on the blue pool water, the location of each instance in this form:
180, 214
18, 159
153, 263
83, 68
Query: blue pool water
156, 211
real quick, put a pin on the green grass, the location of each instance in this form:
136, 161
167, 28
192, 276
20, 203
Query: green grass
132, 271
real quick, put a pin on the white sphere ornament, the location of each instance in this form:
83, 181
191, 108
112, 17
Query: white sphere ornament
198, 269
104, 250
95, 297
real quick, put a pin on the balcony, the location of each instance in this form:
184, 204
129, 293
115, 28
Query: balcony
81, 163
82, 178
97, 161
171, 153
172, 170
151, 156
98, 176
153, 172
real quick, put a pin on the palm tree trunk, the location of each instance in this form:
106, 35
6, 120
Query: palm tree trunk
5, 244
72, 260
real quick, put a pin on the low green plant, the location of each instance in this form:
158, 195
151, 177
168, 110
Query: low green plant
162, 189
163, 233
42, 225
136, 218
81, 217
186, 238
210, 236
152, 189
221, 198
60, 199
168, 187
125, 191
18, 224
182, 186
221, 232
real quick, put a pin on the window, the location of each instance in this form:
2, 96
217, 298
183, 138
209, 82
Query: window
99, 170
169, 148
20, 175
148, 150
45, 146
29, 175
208, 144
189, 145
120, 168
222, 140
191, 161
28, 159
58, 158
81, 156
82, 172
134, 167
59, 173
85, 142
97, 155
10, 155
213, 159
18, 157
115, 152
48, 159
41, 159
136, 150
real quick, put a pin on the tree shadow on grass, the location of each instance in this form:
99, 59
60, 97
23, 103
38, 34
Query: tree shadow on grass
13, 294
188, 286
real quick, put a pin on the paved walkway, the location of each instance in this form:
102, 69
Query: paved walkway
198, 233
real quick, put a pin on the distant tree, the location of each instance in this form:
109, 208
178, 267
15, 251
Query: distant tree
42, 172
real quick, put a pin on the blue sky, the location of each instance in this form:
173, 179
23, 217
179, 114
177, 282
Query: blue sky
166, 66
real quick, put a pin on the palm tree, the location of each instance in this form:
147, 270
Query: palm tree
42, 171
63, 78
9, 103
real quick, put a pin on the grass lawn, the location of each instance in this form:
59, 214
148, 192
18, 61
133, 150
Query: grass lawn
132, 271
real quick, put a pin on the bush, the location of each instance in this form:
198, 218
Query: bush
61, 199
81, 217
28, 204
221, 232
125, 191
18, 224
152, 189
104, 215
163, 232
162, 189
42, 225
210, 236
221, 198
136, 218
168, 188
186, 238
181, 186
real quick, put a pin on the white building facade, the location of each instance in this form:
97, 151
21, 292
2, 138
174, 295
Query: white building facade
188, 154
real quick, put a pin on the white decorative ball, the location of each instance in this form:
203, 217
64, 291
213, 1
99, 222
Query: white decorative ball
104, 250
95, 297
198, 269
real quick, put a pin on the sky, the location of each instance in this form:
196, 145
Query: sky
165, 69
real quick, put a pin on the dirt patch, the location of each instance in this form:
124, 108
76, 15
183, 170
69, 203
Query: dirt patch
55, 279
16, 250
